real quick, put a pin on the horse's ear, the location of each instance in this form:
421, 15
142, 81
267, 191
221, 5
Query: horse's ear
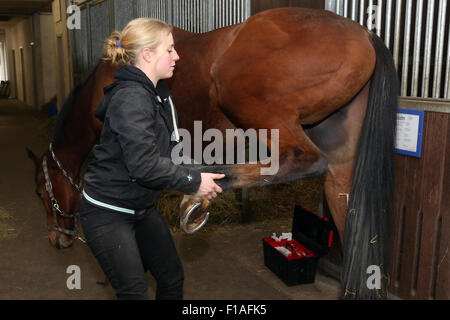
33, 157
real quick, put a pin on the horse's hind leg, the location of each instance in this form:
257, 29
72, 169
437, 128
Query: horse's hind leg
293, 154
338, 136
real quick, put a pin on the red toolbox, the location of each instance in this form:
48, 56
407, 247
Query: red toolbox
295, 261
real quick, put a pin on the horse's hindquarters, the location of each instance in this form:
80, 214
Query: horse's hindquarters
292, 67
306, 63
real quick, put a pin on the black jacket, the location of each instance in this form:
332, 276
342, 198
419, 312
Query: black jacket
132, 162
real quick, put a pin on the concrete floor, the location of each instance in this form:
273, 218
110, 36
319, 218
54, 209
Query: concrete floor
220, 263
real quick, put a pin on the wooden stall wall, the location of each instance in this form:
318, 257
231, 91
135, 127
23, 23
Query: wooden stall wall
420, 267
261, 5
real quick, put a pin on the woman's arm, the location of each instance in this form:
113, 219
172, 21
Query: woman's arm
130, 118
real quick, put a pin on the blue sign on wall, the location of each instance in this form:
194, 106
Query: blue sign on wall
409, 132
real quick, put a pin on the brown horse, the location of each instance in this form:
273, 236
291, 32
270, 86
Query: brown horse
328, 85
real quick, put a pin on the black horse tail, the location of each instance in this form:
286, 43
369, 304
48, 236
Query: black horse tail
371, 201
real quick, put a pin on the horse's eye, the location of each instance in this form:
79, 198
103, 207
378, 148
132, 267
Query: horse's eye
39, 194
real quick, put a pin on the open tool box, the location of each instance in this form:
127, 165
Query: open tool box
294, 258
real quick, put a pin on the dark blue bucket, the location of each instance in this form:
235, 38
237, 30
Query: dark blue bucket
52, 110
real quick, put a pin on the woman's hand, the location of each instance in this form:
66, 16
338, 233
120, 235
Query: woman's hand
208, 188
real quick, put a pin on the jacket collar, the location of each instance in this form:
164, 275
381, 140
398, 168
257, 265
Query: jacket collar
132, 73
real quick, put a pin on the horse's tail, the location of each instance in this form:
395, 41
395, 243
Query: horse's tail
371, 199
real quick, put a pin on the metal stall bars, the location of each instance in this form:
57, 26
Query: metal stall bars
100, 29
157, 9
416, 32
81, 48
228, 12
204, 16
196, 15
97, 21
99, 18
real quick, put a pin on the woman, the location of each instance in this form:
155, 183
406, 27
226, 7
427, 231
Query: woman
132, 165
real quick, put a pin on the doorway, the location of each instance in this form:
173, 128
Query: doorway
14, 74
61, 68
22, 63
3, 67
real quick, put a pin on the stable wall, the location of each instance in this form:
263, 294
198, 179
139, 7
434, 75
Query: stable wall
420, 266
48, 57
20, 71
63, 61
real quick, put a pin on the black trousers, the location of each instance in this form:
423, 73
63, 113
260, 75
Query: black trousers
126, 246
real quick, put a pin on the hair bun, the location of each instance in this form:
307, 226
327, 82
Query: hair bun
124, 47
113, 50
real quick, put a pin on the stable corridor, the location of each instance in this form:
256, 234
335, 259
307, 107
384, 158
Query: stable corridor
220, 264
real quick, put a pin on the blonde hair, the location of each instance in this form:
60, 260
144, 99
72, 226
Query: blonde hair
138, 34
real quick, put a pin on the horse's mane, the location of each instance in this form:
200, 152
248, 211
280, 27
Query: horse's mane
67, 108
64, 115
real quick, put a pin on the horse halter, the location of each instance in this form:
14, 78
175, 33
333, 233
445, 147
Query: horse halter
54, 203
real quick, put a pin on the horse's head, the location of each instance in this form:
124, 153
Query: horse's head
61, 212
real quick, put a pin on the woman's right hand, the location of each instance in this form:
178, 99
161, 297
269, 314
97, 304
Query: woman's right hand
208, 188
